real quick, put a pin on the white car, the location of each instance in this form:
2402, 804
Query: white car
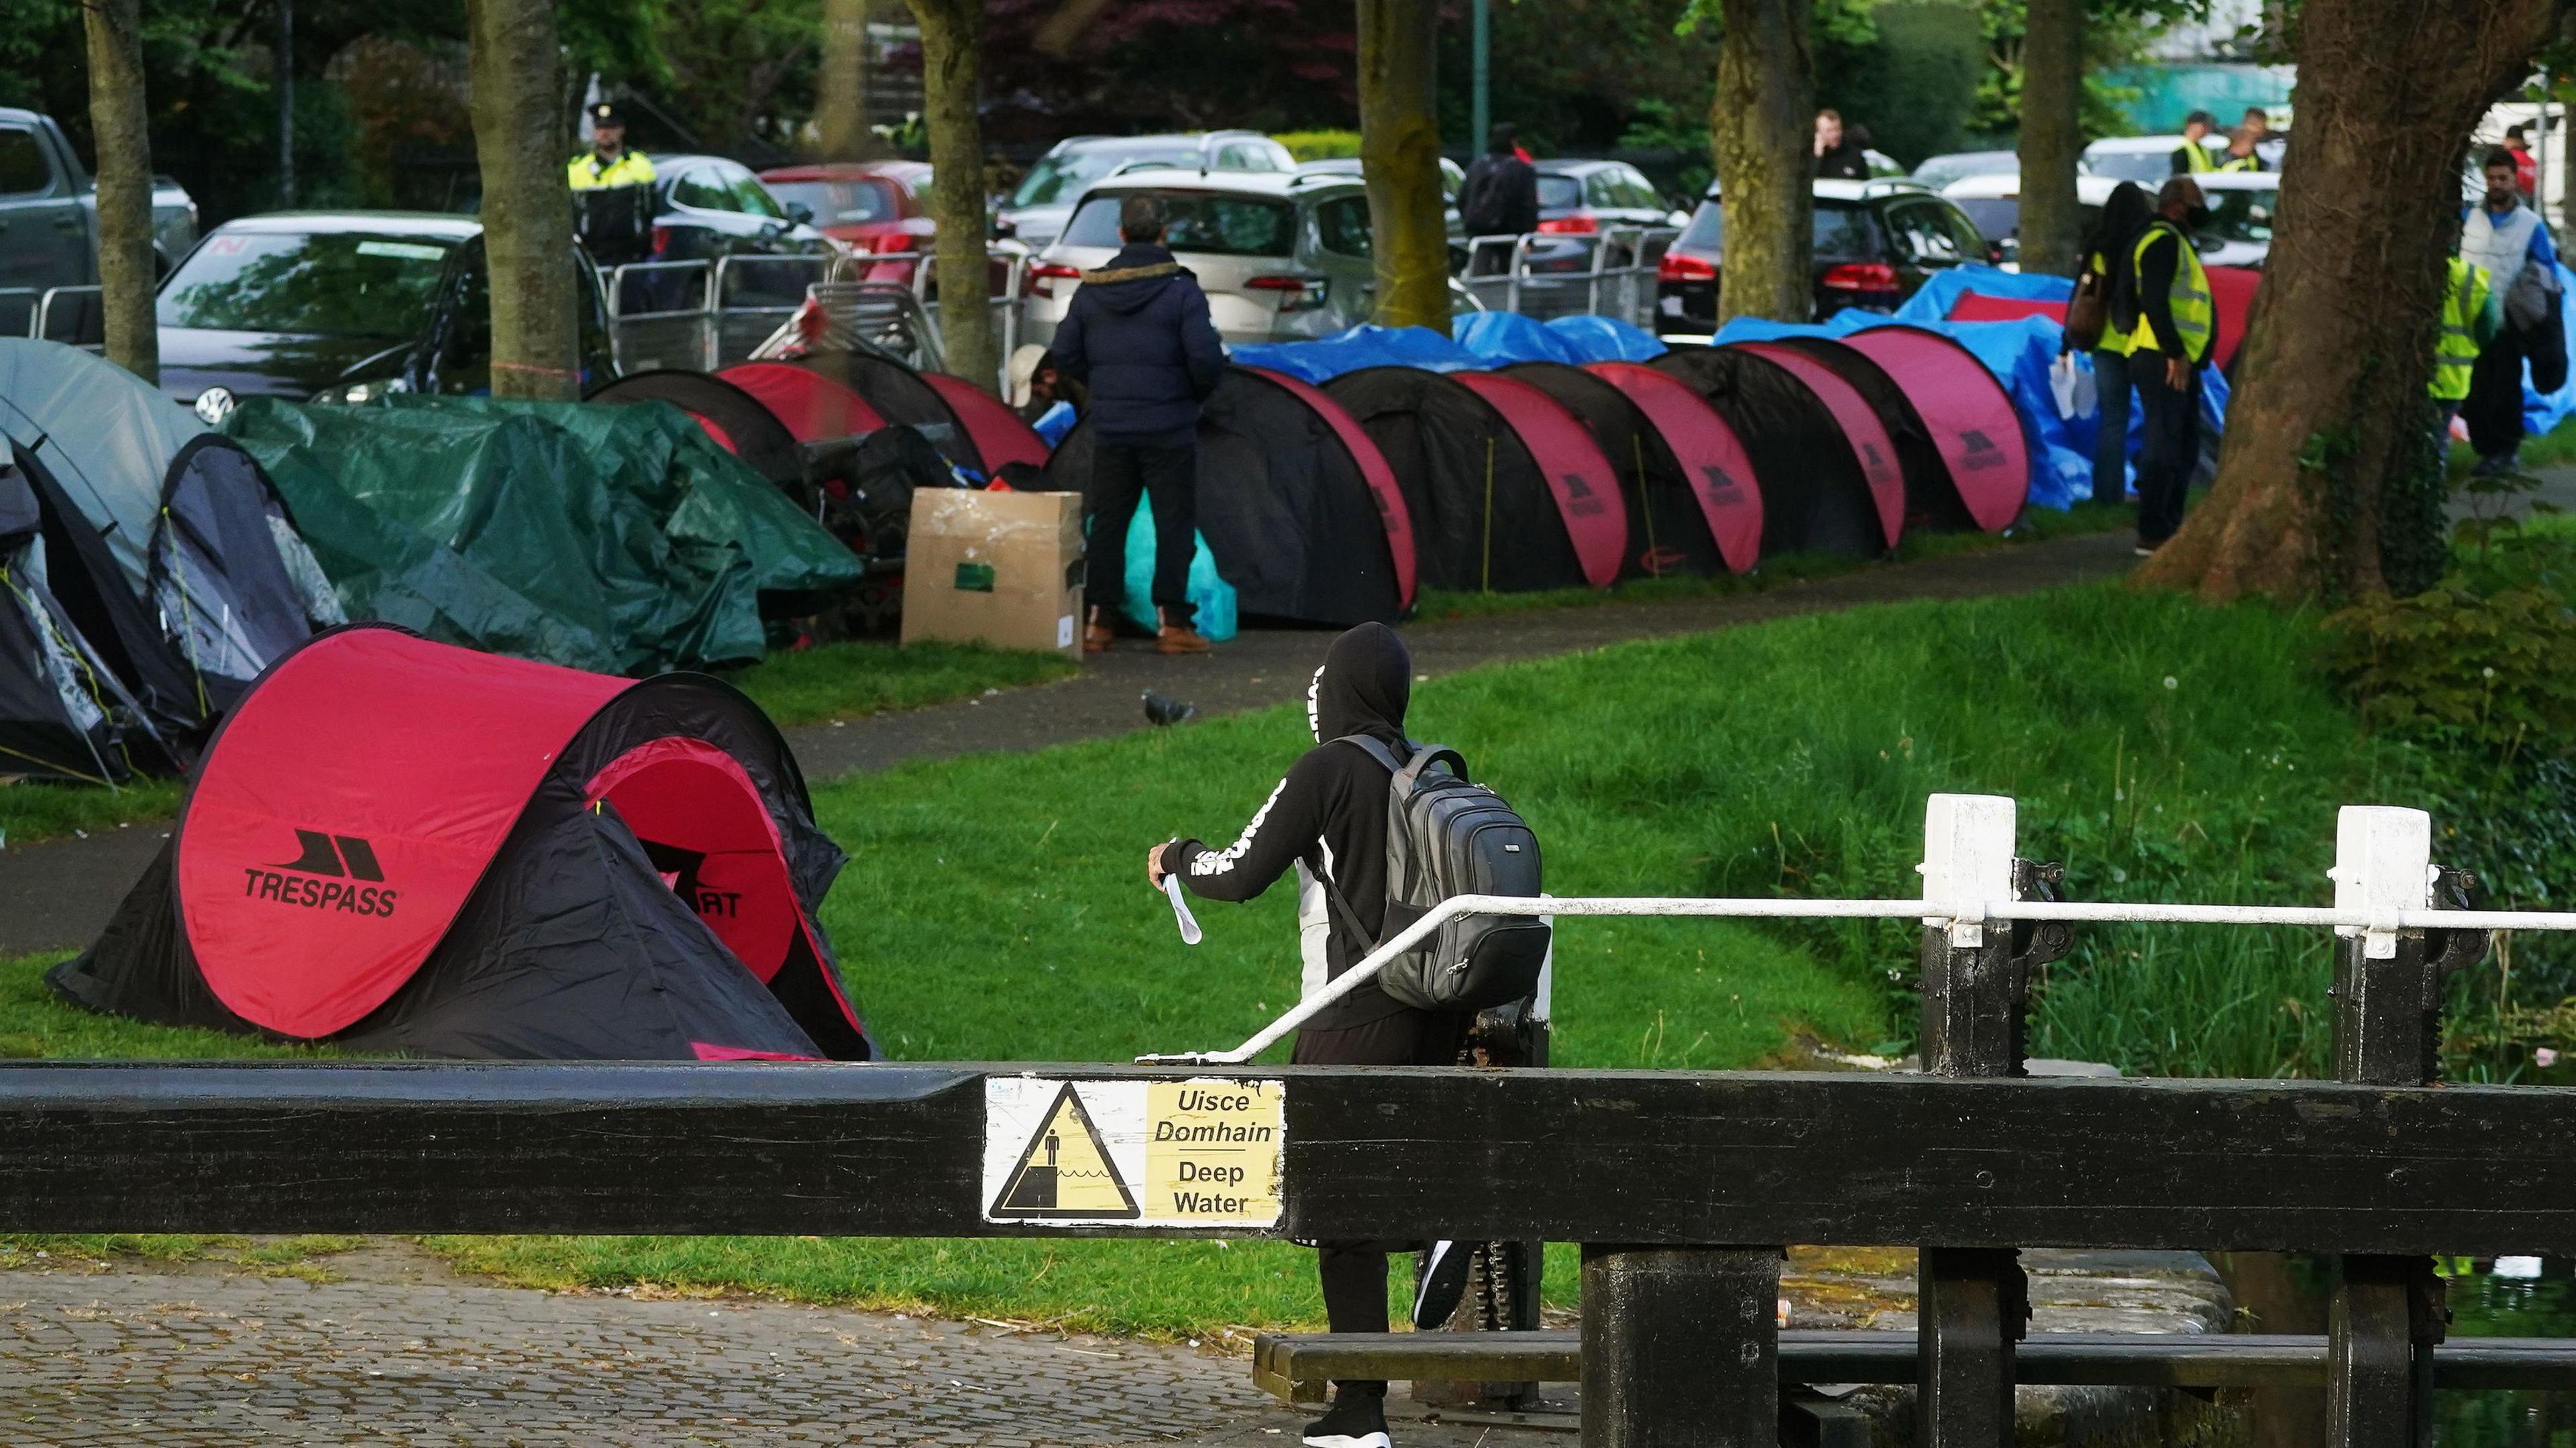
2147, 160
2241, 207
1282, 258
1993, 201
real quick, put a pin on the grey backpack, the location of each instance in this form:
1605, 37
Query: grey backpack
1446, 835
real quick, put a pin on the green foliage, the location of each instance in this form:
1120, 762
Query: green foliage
1911, 81
2482, 662
1320, 145
2414, 519
2116, 33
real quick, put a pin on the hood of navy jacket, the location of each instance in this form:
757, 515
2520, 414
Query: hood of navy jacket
1134, 278
1363, 687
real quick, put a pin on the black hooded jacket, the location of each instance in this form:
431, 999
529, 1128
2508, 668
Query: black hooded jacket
1329, 813
1139, 337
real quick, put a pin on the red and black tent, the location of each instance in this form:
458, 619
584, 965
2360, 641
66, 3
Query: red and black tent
1706, 450
1664, 533
1302, 515
1504, 488
814, 406
739, 422
1862, 428
1814, 492
972, 427
1966, 413
399, 845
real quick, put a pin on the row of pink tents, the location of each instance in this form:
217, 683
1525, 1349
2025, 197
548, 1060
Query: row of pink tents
1337, 503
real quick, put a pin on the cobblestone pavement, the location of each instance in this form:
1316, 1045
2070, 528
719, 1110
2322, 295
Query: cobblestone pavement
145, 1358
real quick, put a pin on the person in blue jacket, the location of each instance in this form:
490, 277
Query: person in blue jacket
1139, 337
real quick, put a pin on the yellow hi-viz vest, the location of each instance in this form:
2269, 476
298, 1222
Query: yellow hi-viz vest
2113, 339
2195, 158
2457, 352
2188, 298
631, 168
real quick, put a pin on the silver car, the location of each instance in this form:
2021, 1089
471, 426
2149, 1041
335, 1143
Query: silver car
1282, 258
1044, 199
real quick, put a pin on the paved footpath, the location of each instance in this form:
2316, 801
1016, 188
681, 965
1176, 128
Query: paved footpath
58, 895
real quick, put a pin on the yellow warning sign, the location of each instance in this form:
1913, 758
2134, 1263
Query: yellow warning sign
1066, 1170
1203, 1152
1213, 1154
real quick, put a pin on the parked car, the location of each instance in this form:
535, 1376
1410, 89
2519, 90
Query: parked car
1876, 243
1453, 177
1282, 257
49, 221
1938, 172
1045, 198
340, 305
706, 207
867, 206
1582, 197
2241, 206
2147, 160
1993, 202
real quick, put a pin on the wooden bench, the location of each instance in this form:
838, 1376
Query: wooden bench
1298, 1366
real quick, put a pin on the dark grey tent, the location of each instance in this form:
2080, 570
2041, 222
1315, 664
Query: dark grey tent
166, 543
63, 712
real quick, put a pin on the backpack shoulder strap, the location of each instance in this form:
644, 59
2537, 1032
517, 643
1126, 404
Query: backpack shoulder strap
1376, 749
1406, 771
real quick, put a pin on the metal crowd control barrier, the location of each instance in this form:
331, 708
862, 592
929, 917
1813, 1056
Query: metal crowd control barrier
703, 315
1617, 281
1682, 1185
87, 318
900, 317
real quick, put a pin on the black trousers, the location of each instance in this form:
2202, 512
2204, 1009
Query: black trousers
2170, 449
2111, 432
2493, 409
1354, 1273
1121, 474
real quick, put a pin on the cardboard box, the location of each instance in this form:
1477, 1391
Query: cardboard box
1003, 569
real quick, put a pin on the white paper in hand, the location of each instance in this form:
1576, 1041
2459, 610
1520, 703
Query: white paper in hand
1181, 910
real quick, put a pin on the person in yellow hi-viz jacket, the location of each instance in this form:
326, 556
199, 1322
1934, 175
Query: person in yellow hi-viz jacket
2172, 330
2471, 316
609, 163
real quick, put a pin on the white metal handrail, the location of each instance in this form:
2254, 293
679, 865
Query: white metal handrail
1968, 839
43, 328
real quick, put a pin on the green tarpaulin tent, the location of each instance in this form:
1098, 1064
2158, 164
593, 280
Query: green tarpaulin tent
617, 539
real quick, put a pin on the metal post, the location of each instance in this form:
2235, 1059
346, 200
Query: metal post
2385, 1313
1480, 104
1972, 1304
286, 102
1681, 1347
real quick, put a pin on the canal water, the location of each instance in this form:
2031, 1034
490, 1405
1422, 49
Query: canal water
2522, 1297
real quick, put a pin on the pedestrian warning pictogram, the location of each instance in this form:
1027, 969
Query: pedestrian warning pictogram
1066, 1170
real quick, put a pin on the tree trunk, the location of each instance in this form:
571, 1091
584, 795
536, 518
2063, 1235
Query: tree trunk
841, 110
2336, 363
1400, 157
1761, 134
527, 200
116, 117
952, 59
2052, 94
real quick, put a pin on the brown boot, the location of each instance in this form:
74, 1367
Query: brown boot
1096, 633
1181, 640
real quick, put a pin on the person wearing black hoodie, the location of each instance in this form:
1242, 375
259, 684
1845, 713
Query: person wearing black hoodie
1327, 820
1139, 337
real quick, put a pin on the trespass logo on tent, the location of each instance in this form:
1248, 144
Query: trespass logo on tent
320, 876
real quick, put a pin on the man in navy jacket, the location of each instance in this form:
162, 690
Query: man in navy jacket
1139, 336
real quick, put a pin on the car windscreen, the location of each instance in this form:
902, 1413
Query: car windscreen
324, 284
2147, 168
2240, 215
1841, 229
1940, 171
1199, 221
1061, 177
1997, 217
1557, 192
839, 203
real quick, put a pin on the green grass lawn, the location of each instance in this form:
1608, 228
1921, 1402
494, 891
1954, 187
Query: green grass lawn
2036, 525
995, 907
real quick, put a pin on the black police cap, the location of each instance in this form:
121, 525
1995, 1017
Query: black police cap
607, 113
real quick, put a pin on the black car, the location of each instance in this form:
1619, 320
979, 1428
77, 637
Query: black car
307, 304
705, 207
1876, 243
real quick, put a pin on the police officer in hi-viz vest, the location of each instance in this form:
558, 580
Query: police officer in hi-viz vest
609, 162
612, 193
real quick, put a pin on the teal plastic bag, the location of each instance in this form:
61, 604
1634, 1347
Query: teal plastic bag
1210, 594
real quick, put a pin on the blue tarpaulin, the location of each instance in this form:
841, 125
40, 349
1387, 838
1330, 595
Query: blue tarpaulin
1485, 340
1942, 291
2543, 411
